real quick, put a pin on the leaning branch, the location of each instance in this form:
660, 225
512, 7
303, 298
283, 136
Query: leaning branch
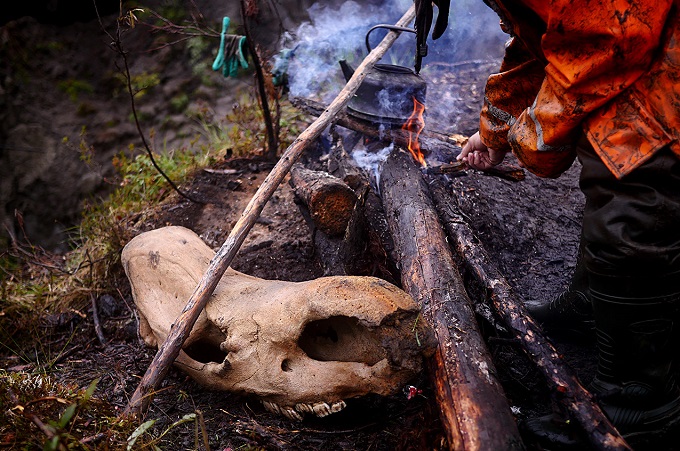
169, 350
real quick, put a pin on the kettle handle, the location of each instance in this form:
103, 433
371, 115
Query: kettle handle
384, 25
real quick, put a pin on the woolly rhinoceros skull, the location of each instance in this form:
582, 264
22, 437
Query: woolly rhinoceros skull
300, 347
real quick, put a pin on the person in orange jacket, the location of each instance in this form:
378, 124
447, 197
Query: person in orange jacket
600, 80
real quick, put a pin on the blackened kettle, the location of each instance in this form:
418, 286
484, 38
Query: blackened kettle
387, 93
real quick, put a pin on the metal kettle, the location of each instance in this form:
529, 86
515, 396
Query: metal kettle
386, 94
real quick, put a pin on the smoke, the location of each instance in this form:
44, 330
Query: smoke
337, 31
371, 161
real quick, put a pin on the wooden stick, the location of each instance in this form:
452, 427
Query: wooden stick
472, 404
562, 381
97, 325
170, 348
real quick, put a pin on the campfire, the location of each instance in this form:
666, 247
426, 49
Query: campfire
405, 215
414, 126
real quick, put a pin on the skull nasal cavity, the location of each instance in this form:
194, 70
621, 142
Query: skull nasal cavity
342, 339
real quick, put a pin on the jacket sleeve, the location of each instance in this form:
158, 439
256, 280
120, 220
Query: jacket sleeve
594, 49
508, 93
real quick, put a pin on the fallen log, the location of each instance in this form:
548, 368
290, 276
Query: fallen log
329, 200
564, 384
342, 255
473, 407
169, 350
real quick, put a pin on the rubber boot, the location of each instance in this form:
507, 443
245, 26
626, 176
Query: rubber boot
571, 310
636, 325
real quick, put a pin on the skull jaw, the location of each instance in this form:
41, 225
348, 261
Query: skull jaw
320, 390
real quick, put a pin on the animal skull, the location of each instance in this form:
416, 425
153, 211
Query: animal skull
300, 347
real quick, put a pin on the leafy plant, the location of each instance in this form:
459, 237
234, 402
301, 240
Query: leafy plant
153, 443
141, 83
242, 130
59, 429
74, 88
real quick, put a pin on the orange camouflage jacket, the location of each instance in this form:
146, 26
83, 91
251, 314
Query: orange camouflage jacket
609, 68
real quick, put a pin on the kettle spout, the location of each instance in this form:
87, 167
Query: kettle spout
347, 70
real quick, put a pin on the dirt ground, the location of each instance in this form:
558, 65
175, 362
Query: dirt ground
530, 228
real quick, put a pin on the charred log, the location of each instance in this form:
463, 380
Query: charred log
328, 199
342, 255
379, 257
565, 386
473, 407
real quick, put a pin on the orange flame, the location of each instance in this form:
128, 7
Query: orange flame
414, 125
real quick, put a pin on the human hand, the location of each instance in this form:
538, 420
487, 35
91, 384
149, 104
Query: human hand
479, 156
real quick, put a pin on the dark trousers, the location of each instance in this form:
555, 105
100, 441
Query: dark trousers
631, 227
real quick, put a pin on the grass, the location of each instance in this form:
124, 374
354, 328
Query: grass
39, 413
60, 415
37, 410
35, 283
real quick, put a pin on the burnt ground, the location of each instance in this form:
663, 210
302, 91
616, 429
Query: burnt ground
530, 228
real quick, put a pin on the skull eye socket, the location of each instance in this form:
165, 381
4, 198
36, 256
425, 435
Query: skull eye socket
207, 348
205, 352
342, 339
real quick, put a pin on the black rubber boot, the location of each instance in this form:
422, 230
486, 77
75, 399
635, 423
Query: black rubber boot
636, 324
572, 310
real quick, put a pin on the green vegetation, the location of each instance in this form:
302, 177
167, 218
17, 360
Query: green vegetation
37, 408
141, 83
242, 130
74, 88
200, 50
39, 413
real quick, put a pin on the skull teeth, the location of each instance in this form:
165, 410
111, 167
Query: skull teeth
338, 406
304, 408
320, 409
291, 414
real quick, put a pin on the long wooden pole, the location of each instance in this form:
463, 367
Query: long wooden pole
170, 348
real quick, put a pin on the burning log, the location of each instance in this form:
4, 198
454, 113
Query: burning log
564, 384
329, 200
379, 241
473, 407
430, 141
